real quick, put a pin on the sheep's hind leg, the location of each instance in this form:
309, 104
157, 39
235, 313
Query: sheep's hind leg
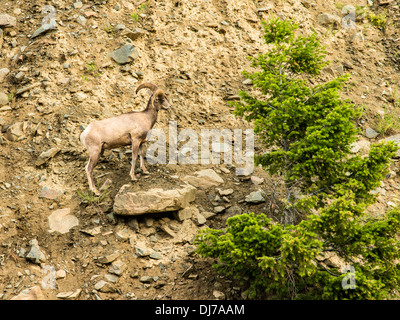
135, 149
94, 156
142, 166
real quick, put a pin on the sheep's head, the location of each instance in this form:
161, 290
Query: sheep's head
158, 99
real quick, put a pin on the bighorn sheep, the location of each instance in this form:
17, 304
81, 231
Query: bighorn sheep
129, 128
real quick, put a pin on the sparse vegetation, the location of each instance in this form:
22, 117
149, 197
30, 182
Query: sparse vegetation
308, 131
378, 20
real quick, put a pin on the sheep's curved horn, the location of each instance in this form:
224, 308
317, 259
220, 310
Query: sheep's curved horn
147, 85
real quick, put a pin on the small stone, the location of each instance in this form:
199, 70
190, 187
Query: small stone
104, 286
60, 274
124, 54
225, 192
117, 267
69, 295
141, 249
35, 255
111, 278
255, 197
204, 179
3, 73
371, 133
62, 221
219, 209
207, 214
109, 258
327, 20
7, 21
156, 255
3, 99
218, 295
186, 213
93, 231
78, 5
146, 279
200, 219
46, 156
80, 96
133, 34
16, 131
34, 293
123, 234
81, 20
256, 180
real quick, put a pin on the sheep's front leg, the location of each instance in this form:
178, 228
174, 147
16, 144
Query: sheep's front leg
94, 155
135, 150
142, 166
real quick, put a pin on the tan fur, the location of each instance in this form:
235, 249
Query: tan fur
126, 129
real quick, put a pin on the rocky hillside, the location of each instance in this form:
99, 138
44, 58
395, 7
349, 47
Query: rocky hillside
61, 68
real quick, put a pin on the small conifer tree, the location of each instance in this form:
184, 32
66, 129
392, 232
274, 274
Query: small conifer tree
307, 131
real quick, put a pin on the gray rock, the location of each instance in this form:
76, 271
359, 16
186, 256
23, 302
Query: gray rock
156, 255
255, 197
141, 249
69, 295
124, 54
134, 33
81, 20
117, 267
78, 5
219, 209
16, 131
44, 28
49, 193
46, 156
3, 73
34, 293
7, 21
62, 221
371, 133
104, 286
146, 279
35, 255
155, 200
3, 99
218, 295
204, 179
200, 219
109, 258
327, 20
186, 213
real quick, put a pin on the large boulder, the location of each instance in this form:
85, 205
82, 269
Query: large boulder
130, 203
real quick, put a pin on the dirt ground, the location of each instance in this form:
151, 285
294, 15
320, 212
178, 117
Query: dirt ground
195, 50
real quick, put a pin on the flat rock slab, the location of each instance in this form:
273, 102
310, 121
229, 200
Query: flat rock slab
62, 220
131, 203
124, 54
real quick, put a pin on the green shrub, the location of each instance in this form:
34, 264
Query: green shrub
307, 130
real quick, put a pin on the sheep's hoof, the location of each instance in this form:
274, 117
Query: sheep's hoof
145, 172
134, 178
